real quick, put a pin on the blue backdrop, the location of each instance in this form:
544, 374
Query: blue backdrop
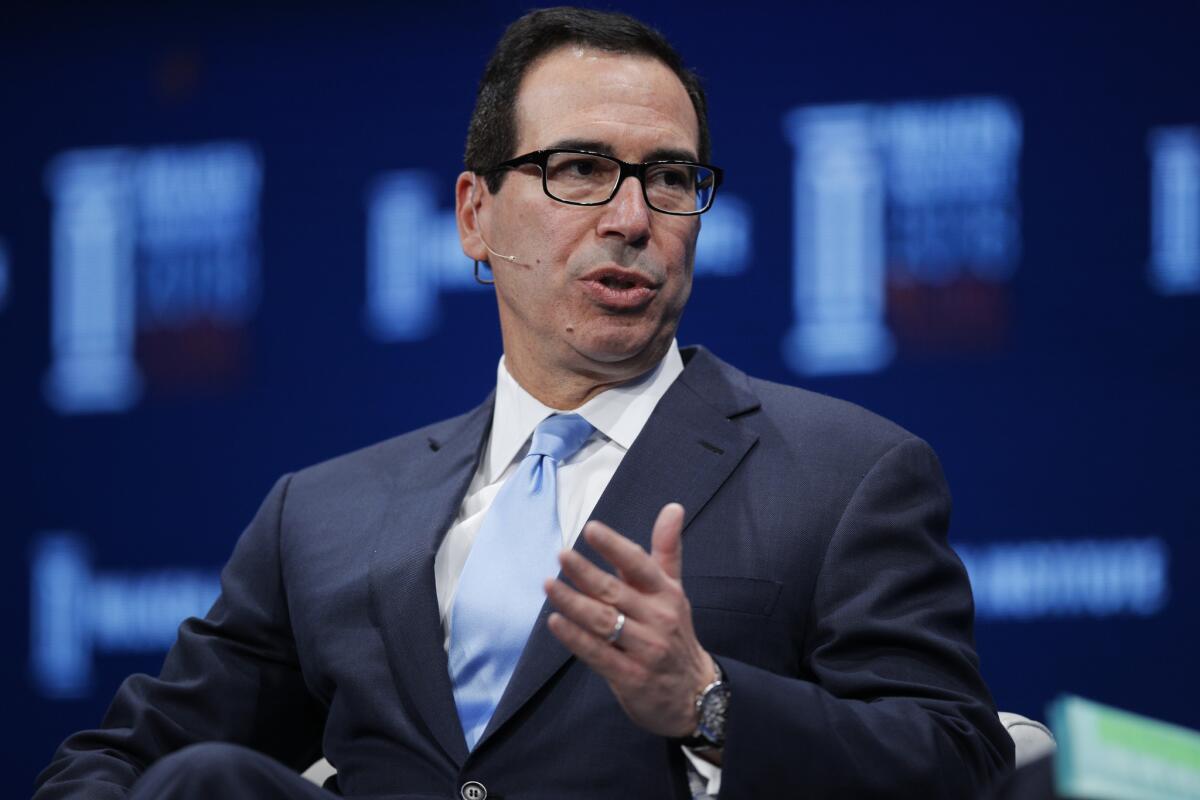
226, 252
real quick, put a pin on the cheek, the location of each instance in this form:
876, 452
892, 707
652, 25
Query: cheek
557, 231
686, 262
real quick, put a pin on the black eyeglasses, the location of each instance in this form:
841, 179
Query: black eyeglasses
582, 178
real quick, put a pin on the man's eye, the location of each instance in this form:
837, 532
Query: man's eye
671, 177
576, 168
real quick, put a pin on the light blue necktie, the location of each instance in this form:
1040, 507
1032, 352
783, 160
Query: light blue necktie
500, 589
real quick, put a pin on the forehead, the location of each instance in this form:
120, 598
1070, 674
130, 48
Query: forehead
633, 104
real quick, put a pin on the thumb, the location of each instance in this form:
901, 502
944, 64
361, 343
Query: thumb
666, 542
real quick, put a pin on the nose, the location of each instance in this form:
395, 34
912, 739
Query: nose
627, 216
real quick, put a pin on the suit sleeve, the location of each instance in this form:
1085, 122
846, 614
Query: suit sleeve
232, 676
894, 705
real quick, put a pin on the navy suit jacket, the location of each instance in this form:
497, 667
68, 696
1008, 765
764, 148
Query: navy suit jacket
814, 556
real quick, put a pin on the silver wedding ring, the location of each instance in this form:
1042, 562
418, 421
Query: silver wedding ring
616, 631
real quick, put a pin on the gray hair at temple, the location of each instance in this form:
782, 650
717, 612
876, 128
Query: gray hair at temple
492, 134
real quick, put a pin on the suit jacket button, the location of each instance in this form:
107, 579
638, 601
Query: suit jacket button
473, 790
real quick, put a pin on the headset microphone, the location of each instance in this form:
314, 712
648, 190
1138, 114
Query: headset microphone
510, 259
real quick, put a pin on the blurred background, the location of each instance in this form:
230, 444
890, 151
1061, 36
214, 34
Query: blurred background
227, 251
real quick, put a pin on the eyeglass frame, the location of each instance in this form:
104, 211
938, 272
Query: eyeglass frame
539, 158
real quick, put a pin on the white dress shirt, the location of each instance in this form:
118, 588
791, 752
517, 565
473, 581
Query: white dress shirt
618, 415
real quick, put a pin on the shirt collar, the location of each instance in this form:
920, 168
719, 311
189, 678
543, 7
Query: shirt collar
618, 413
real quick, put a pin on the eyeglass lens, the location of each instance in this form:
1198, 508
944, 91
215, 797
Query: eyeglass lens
583, 178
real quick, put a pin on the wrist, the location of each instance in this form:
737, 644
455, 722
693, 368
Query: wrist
711, 710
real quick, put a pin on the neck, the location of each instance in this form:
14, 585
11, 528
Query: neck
566, 389
562, 392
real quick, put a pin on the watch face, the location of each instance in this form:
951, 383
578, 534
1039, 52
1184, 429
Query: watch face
713, 708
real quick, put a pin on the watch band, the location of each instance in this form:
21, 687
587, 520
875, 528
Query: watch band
711, 704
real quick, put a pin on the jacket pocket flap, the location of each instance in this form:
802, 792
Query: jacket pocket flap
727, 593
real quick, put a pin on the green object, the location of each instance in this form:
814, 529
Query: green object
1108, 754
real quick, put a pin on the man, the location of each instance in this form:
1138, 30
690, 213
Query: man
785, 617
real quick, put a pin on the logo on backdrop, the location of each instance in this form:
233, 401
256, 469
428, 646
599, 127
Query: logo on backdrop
413, 252
1175, 210
905, 230
76, 612
154, 270
1051, 579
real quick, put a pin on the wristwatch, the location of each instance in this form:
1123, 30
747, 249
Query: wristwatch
712, 706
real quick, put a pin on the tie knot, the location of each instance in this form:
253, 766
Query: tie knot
559, 437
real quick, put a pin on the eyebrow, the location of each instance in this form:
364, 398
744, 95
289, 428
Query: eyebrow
597, 146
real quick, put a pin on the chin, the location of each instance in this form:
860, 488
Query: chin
624, 349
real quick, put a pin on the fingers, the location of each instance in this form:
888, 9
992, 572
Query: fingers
611, 663
599, 620
633, 563
666, 542
607, 589
639, 574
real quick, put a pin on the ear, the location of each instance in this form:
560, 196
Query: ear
469, 191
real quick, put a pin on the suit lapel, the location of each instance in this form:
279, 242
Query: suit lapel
427, 497
687, 449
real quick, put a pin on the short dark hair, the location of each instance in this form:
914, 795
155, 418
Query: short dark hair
492, 135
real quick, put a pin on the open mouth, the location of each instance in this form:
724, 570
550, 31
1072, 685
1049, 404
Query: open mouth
620, 278
613, 282
619, 289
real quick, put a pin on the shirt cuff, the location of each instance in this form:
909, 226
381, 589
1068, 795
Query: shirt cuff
710, 774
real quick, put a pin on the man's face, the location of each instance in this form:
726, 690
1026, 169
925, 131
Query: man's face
597, 291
